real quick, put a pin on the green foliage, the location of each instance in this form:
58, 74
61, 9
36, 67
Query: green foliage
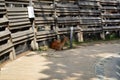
111, 36
43, 48
74, 43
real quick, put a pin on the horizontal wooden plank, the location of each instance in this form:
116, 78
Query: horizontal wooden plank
45, 32
44, 10
42, 1
68, 5
46, 36
111, 27
19, 20
2, 0
67, 22
110, 8
16, 9
87, 3
5, 46
91, 29
67, 18
110, 21
4, 38
44, 18
17, 17
43, 39
41, 33
2, 3
17, 14
5, 51
19, 23
111, 15
2, 8
3, 25
67, 11
63, 29
2, 12
25, 37
109, 1
91, 18
17, 2
22, 33
43, 6
22, 41
4, 33
65, 32
44, 22
42, 13
3, 20
20, 26
89, 11
90, 23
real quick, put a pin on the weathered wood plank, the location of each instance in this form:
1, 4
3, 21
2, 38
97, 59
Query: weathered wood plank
5, 51
111, 21
44, 18
87, 3
43, 6
20, 26
68, 5
44, 10
22, 33
25, 37
19, 23
5, 46
43, 39
2, 3
46, 36
17, 17
3, 20
91, 29
19, 20
4, 33
44, 22
22, 41
4, 38
45, 32
111, 27
3, 12
2, 8
17, 14
17, 2
16, 9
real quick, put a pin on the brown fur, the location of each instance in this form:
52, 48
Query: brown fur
58, 45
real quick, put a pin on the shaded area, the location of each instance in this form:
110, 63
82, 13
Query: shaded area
106, 68
73, 64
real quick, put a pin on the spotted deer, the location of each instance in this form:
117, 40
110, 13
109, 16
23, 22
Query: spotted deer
58, 45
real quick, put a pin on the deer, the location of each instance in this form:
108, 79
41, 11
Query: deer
58, 45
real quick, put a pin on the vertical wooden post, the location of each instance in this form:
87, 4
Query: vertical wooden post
55, 19
12, 54
34, 43
80, 36
102, 35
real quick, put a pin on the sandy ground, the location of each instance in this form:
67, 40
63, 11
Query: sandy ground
74, 64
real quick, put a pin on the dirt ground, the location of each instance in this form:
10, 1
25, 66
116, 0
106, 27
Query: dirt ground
73, 64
